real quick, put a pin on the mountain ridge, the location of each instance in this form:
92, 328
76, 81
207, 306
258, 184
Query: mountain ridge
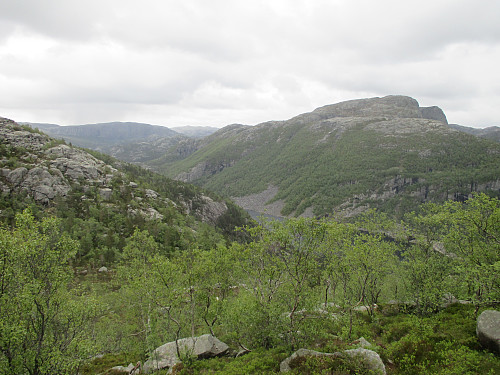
127, 141
388, 153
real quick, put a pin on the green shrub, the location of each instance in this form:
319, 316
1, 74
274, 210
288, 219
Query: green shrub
311, 365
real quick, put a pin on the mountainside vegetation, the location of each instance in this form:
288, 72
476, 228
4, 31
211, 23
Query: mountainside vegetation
101, 199
299, 283
386, 153
101, 262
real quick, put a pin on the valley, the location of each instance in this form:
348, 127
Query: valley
339, 160
384, 258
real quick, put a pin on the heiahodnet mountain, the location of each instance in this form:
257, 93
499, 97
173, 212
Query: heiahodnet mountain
134, 255
385, 153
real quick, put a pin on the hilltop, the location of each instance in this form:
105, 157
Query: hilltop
47, 173
127, 141
388, 153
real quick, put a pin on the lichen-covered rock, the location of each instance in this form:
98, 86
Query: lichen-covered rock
366, 357
488, 330
285, 364
122, 369
363, 343
165, 356
148, 213
16, 177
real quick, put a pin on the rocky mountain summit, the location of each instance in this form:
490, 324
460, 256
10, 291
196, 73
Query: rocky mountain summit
343, 158
392, 106
44, 168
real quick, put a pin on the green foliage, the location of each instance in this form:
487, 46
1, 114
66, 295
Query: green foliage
474, 236
467, 237
291, 284
103, 363
444, 343
256, 362
315, 164
53, 142
342, 365
42, 321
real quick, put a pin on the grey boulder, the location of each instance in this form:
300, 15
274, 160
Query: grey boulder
367, 357
165, 356
488, 330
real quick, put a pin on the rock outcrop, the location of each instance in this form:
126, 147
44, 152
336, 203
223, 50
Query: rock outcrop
201, 347
365, 357
129, 370
44, 168
433, 113
488, 330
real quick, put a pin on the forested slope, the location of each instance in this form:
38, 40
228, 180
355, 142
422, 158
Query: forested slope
385, 153
101, 262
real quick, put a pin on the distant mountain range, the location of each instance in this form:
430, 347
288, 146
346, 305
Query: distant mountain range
492, 132
128, 141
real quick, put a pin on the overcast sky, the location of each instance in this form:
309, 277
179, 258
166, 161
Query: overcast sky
217, 62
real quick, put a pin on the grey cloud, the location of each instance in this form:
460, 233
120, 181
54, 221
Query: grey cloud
59, 19
228, 57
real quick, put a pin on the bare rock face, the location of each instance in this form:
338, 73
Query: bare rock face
211, 210
38, 182
205, 208
48, 167
488, 330
165, 356
433, 113
202, 169
393, 106
15, 135
75, 163
16, 177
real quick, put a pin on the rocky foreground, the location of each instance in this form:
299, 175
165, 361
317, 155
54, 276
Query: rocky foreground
43, 168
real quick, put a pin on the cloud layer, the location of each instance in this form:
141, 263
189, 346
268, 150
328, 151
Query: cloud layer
218, 62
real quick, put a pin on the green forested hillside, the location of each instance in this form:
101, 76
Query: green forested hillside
101, 200
101, 262
301, 283
379, 153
